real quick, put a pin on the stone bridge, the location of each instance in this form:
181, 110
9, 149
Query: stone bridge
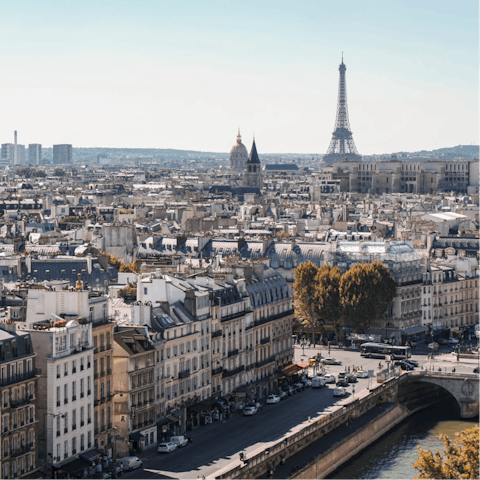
463, 387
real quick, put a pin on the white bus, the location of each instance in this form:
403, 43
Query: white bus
382, 350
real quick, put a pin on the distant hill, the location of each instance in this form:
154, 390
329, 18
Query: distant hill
463, 150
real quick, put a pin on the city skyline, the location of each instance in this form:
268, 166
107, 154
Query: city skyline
186, 76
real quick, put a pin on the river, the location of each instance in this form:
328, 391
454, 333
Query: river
392, 455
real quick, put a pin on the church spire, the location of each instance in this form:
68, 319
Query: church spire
253, 158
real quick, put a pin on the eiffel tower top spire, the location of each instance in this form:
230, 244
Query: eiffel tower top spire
342, 144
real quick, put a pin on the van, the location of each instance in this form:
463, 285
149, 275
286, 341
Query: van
318, 382
130, 463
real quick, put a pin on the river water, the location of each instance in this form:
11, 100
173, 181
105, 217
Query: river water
391, 456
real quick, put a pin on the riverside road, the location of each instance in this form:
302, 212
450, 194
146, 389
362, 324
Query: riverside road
216, 445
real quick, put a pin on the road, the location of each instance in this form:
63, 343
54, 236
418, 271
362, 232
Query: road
216, 445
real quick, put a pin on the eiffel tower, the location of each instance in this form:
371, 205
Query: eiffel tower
342, 147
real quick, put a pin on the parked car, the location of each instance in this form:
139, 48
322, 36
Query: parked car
273, 399
413, 362
339, 391
351, 378
130, 463
362, 374
116, 470
403, 365
329, 378
167, 447
342, 382
291, 390
180, 440
318, 382
433, 345
307, 382
342, 374
299, 386
250, 411
452, 341
331, 361
282, 394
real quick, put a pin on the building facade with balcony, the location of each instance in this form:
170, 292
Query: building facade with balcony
18, 396
134, 415
65, 390
102, 332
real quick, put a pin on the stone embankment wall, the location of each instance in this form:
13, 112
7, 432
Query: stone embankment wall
342, 451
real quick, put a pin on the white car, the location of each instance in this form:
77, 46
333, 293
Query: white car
329, 378
166, 447
273, 399
249, 411
339, 391
452, 341
179, 440
362, 374
331, 361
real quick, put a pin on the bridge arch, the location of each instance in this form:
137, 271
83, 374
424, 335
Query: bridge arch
463, 388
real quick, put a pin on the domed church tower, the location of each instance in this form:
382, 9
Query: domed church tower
252, 176
238, 154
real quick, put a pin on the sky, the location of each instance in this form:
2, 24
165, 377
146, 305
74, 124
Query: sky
187, 74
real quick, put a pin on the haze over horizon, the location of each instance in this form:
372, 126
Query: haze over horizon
185, 75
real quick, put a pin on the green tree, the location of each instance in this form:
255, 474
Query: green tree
58, 172
327, 293
305, 300
366, 290
460, 457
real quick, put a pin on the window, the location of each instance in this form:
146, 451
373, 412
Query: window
145, 291
74, 419
65, 368
89, 413
58, 396
74, 391
58, 371
65, 393
65, 454
82, 442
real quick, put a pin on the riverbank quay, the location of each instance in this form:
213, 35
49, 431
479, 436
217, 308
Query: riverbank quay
259, 463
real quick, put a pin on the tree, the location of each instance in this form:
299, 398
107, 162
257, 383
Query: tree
459, 460
366, 290
327, 293
305, 301
58, 172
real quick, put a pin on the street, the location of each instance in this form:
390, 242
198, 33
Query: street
216, 445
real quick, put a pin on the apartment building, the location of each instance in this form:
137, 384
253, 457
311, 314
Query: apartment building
35, 154
102, 332
65, 390
134, 415
18, 397
62, 154
450, 301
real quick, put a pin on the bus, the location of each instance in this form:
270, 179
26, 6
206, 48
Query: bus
384, 350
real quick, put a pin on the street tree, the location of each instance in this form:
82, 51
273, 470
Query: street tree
327, 294
366, 291
460, 457
305, 301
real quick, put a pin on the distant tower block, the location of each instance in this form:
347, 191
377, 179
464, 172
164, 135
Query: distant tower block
342, 147
238, 155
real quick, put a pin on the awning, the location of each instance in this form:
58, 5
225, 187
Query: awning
91, 455
173, 418
291, 370
136, 437
303, 365
416, 329
75, 466
197, 407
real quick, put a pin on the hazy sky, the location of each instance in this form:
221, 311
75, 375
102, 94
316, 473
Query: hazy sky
187, 74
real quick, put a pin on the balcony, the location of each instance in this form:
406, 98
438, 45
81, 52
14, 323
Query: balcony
109, 371
216, 334
217, 371
233, 316
234, 371
21, 451
264, 362
233, 353
265, 340
20, 403
17, 378
184, 374
271, 318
